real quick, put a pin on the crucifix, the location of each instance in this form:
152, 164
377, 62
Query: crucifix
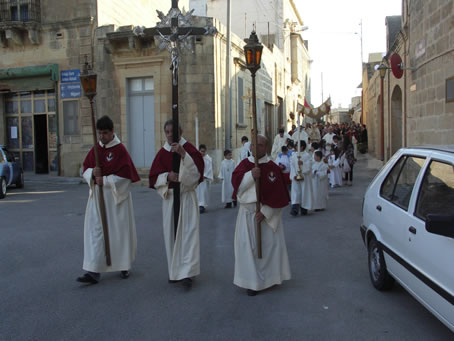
173, 32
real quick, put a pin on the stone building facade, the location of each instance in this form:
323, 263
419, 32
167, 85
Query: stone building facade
201, 90
279, 27
418, 107
45, 118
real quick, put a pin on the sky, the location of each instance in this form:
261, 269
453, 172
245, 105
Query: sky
335, 48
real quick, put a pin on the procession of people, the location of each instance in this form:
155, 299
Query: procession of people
301, 169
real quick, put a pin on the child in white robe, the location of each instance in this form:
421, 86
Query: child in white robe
283, 161
335, 175
203, 189
225, 174
320, 173
301, 192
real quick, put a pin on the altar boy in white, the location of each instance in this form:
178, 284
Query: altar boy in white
273, 268
203, 189
320, 182
301, 193
225, 174
115, 175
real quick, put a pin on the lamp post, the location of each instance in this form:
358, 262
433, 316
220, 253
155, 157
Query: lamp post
253, 52
88, 79
382, 70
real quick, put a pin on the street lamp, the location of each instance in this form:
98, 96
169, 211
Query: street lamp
382, 71
253, 52
88, 79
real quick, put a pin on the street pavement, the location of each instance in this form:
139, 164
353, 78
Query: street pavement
329, 297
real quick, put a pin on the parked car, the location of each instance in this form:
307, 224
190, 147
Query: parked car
11, 172
408, 227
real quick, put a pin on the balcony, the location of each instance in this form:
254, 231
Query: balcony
18, 18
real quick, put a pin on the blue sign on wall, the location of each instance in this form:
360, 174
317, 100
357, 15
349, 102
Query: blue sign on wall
69, 76
70, 90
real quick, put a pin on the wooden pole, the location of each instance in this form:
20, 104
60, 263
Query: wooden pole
256, 162
102, 205
176, 159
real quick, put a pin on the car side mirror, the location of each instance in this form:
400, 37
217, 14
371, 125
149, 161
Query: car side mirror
442, 225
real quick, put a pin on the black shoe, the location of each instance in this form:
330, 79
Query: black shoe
294, 210
173, 281
234, 203
228, 205
202, 209
303, 211
187, 283
86, 278
124, 274
251, 292
319, 209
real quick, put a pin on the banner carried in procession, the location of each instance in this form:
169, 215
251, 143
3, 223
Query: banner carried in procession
318, 112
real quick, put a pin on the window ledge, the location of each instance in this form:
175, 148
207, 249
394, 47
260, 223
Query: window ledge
241, 126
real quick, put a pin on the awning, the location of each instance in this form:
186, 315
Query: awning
28, 78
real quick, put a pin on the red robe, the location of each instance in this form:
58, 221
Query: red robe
273, 188
162, 163
114, 160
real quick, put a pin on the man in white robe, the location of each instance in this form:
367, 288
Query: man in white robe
182, 248
203, 189
116, 174
279, 141
273, 268
301, 192
225, 174
300, 134
328, 137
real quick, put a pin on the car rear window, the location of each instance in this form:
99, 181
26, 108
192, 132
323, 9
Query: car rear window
436, 195
400, 181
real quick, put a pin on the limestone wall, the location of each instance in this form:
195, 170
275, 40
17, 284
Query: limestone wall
431, 44
133, 12
415, 107
54, 11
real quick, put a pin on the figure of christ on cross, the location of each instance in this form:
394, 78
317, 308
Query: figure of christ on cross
174, 32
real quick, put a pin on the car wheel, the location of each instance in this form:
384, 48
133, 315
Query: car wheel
20, 181
379, 275
2, 187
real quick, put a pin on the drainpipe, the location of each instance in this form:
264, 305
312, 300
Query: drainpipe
57, 114
228, 107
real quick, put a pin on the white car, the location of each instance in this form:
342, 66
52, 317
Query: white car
408, 227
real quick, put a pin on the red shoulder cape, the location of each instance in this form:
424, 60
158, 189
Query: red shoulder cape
114, 160
162, 163
273, 190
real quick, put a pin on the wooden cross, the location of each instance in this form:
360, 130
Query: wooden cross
174, 32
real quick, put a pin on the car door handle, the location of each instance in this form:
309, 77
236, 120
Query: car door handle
378, 208
412, 229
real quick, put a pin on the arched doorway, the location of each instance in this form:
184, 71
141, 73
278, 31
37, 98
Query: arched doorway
396, 119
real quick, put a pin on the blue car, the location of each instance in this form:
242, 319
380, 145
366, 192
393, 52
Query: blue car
11, 172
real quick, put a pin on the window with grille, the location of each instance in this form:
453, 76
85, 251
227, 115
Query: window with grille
20, 10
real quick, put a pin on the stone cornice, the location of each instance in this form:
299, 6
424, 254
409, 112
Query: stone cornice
138, 62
